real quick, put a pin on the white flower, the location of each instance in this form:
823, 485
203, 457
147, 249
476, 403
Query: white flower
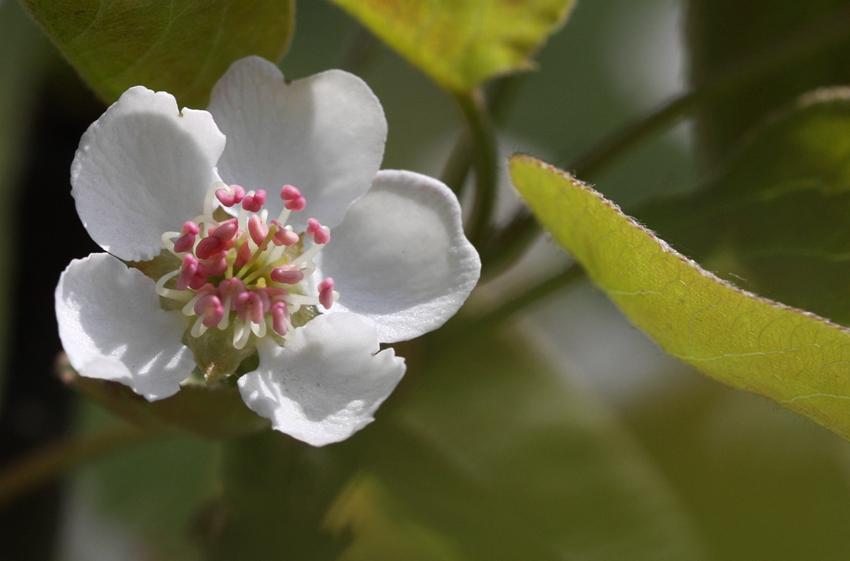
148, 177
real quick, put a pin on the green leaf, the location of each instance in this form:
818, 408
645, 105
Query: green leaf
775, 218
494, 455
792, 357
180, 46
462, 43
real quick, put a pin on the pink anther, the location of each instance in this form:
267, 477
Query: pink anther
210, 246
184, 243
226, 230
231, 288
297, 204
319, 233
264, 296
288, 193
257, 229
199, 277
243, 250
253, 203
287, 274
231, 195
275, 293
210, 307
326, 293
187, 240
280, 318
187, 271
284, 236
216, 266
249, 306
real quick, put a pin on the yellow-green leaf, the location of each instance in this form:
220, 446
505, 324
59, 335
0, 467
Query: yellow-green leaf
461, 43
795, 358
180, 46
776, 212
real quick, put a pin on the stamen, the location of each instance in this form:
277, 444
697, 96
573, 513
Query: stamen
295, 301
179, 295
210, 246
326, 293
320, 234
229, 289
280, 318
216, 267
284, 236
199, 278
249, 306
230, 195
198, 328
243, 251
211, 309
187, 271
294, 201
240, 335
257, 229
259, 329
189, 308
253, 202
287, 274
167, 243
187, 241
308, 255
226, 230
288, 193
262, 247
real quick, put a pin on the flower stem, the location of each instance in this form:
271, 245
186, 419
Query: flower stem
51, 461
817, 36
458, 165
500, 95
485, 162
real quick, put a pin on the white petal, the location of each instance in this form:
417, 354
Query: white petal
112, 327
142, 169
326, 383
400, 258
324, 134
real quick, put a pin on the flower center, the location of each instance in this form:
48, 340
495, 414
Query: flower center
248, 270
